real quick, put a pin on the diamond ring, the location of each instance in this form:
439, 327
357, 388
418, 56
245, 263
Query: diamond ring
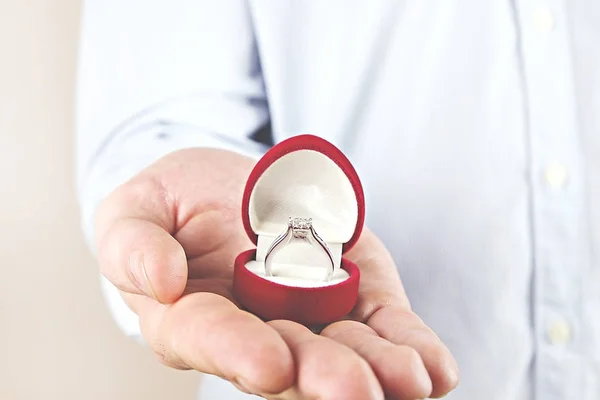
298, 229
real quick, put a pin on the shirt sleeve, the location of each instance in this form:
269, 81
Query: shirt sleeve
154, 77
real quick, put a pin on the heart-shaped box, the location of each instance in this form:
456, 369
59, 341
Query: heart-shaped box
303, 176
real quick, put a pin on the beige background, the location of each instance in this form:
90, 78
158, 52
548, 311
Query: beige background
57, 340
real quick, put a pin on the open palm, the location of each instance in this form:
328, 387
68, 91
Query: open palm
168, 239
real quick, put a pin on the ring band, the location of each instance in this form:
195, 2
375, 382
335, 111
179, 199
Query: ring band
300, 229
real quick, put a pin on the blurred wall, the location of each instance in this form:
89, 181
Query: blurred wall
57, 340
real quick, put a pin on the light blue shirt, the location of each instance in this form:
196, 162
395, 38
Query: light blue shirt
475, 126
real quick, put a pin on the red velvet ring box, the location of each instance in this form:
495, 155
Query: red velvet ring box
304, 176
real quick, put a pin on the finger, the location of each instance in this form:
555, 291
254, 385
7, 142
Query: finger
400, 369
403, 327
220, 286
380, 284
326, 369
140, 257
383, 305
208, 333
135, 250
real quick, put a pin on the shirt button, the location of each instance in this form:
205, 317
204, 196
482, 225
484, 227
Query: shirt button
543, 19
556, 175
559, 333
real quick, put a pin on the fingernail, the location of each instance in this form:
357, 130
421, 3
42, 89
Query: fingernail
138, 270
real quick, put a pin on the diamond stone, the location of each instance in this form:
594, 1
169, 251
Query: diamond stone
300, 223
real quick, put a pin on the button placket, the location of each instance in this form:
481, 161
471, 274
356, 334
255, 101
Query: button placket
557, 196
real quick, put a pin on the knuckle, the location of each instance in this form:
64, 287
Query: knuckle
439, 354
412, 359
142, 196
353, 376
166, 358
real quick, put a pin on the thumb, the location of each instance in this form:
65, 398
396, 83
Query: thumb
135, 250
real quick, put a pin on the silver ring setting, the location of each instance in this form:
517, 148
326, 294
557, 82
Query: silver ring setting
298, 229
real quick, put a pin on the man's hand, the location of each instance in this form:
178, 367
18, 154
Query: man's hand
168, 239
